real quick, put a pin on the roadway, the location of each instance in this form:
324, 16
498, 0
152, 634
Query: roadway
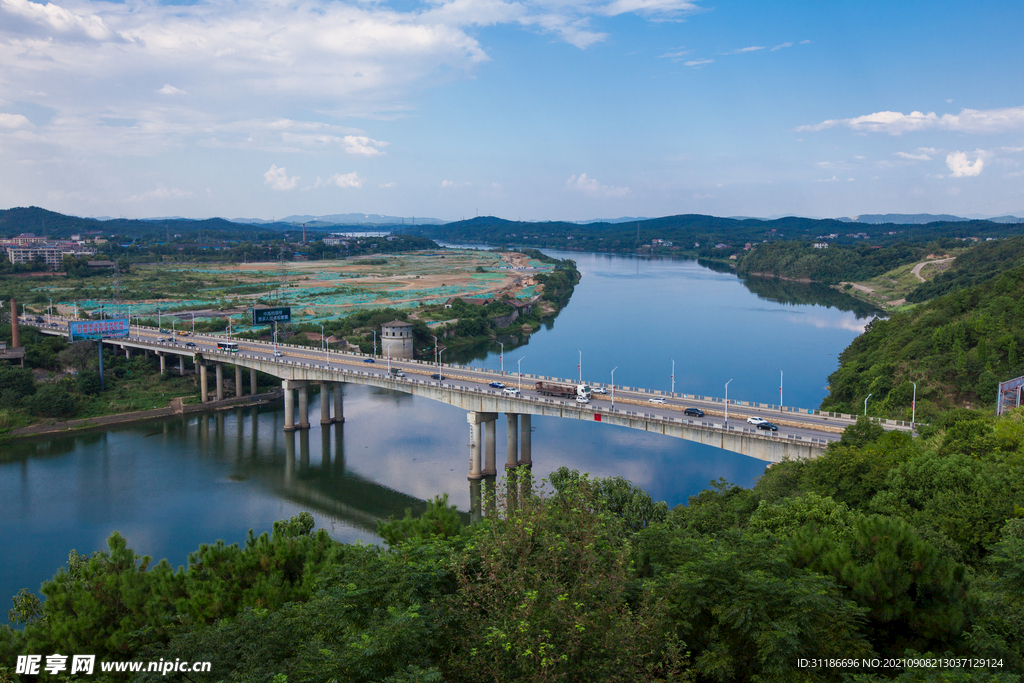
803, 423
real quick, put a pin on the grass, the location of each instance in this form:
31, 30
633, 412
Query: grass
890, 289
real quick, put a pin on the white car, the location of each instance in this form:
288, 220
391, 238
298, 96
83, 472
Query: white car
510, 391
278, 353
656, 399
600, 390
582, 399
754, 420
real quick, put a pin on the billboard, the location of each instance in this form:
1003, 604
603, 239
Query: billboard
266, 316
1009, 395
98, 329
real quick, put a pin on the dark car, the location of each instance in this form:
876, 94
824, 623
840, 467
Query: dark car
497, 385
768, 426
39, 320
369, 360
694, 412
437, 376
191, 345
162, 331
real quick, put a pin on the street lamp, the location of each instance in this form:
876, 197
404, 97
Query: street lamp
275, 337
520, 363
780, 390
727, 403
501, 357
49, 314
173, 332
580, 366
321, 336
866, 405
389, 356
672, 377
193, 323
613, 386
435, 347
913, 408
374, 342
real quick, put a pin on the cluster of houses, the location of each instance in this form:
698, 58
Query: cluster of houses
27, 248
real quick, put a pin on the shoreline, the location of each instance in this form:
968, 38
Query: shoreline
175, 407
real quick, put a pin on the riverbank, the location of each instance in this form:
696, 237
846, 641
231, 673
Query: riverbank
177, 406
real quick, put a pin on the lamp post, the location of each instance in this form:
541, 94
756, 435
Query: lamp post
435, 347
193, 323
613, 385
727, 403
501, 357
159, 318
389, 356
913, 408
49, 312
321, 336
866, 405
173, 331
375, 342
580, 366
672, 377
780, 390
520, 363
275, 337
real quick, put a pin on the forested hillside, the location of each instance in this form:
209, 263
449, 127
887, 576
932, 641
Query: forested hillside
979, 264
800, 260
956, 347
885, 547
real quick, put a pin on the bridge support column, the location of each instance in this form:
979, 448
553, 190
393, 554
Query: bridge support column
289, 407
490, 469
474, 450
339, 406
475, 512
511, 441
252, 381
127, 352
204, 382
303, 406
476, 421
525, 445
239, 389
181, 365
163, 362
325, 403
220, 381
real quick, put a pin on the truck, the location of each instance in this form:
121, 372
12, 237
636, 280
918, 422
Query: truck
563, 390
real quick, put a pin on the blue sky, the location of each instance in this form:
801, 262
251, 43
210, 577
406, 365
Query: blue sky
537, 109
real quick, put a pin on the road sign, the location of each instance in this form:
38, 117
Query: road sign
265, 316
98, 329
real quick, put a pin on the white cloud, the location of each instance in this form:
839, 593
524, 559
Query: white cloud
278, 179
752, 48
360, 144
161, 192
780, 46
827, 180
961, 167
897, 123
169, 89
590, 186
448, 184
344, 180
699, 62
669, 8
34, 18
14, 121
391, 184
913, 157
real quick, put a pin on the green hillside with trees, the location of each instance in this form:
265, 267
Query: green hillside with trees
888, 546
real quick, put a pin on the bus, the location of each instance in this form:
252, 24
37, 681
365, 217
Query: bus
230, 347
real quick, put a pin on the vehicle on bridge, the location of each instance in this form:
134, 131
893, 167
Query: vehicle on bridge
694, 412
755, 420
497, 385
767, 426
510, 391
563, 390
396, 372
230, 347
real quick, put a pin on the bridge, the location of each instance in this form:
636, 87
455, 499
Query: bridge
802, 433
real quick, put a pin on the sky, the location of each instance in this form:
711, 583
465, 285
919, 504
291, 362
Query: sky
529, 109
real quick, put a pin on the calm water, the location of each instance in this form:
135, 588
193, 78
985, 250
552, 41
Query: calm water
170, 485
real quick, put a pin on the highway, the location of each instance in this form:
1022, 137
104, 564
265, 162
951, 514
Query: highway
802, 423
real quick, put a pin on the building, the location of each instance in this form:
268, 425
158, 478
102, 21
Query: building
26, 239
396, 339
820, 245
52, 256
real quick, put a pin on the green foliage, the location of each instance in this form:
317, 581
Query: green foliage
439, 519
915, 596
800, 260
53, 399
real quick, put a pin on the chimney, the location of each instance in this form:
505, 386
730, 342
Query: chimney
15, 337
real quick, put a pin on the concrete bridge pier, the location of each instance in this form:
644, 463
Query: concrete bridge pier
478, 420
220, 381
490, 468
252, 381
204, 382
303, 406
339, 406
163, 362
289, 406
239, 389
127, 351
525, 440
325, 403
475, 510
511, 441
181, 365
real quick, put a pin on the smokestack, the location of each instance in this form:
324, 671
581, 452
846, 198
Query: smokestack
15, 337
303, 233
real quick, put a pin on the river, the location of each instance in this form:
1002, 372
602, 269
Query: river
170, 485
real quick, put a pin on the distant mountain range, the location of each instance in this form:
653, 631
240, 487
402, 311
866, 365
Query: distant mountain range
346, 219
920, 218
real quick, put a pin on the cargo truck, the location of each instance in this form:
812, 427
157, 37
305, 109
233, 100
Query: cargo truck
563, 390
